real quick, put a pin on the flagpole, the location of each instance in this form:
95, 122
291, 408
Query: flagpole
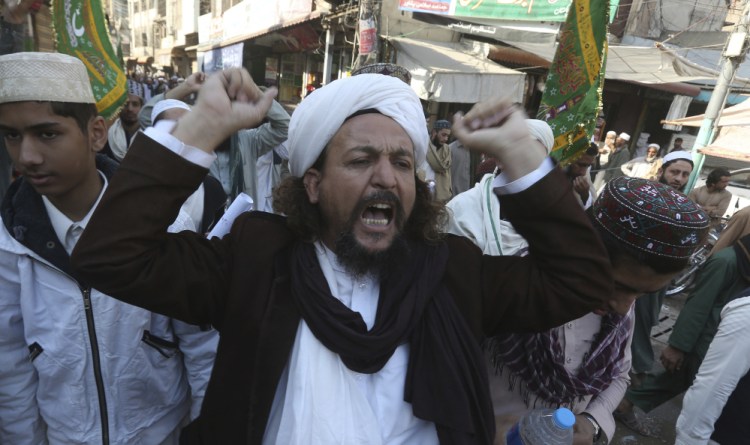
734, 53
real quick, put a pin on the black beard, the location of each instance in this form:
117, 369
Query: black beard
664, 181
436, 142
361, 262
355, 258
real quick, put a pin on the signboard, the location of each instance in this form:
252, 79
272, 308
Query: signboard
367, 36
540, 10
433, 6
251, 16
222, 58
534, 10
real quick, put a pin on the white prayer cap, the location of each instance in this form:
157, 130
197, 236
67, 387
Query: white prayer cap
542, 132
677, 155
624, 135
323, 112
46, 77
656, 146
167, 104
611, 133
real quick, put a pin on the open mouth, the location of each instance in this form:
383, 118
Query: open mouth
378, 214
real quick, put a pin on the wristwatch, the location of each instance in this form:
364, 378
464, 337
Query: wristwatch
597, 428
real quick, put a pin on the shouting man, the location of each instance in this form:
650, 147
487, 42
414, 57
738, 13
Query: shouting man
351, 319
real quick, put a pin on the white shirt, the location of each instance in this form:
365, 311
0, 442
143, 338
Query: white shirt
317, 393
67, 230
726, 362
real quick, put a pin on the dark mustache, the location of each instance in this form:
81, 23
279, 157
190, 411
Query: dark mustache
379, 197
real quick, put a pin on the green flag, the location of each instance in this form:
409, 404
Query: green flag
81, 31
572, 96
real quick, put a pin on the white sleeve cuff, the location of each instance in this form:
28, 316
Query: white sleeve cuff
501, 186
589, 202
160, 134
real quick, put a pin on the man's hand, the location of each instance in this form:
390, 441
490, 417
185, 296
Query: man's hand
229, 101
582, 185
195, 81
15, 11
191, 85
498, 129
503, 424
583, 431
672, 358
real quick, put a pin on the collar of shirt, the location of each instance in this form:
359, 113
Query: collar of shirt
62, 225
360, 294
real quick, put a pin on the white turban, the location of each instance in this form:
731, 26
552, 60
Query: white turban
542, 132
322, 113
167, 104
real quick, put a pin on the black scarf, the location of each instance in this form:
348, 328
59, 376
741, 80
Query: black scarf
446, 379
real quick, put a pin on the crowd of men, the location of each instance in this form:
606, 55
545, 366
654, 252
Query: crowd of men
379, 296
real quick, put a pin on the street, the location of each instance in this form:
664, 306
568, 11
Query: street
666, 415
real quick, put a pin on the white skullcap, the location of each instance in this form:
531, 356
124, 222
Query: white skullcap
611, 133
46, 77
167, 104
653, 145
624, 135
542, 132
676, 155
321, 114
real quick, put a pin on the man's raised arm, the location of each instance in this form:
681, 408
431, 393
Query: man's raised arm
126, 251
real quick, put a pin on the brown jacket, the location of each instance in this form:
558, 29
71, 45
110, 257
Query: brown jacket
241, 285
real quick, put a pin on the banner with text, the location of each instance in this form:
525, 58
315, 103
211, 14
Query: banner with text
81, 31
572, 95
535, 10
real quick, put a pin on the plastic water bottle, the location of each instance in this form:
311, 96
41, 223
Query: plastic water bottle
544, 426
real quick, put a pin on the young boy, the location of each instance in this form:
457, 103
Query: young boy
77, 366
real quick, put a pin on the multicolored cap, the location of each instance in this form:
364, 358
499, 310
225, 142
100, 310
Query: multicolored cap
441, 124
651, 217
387, 69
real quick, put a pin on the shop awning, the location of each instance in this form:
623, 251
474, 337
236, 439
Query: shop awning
730, 144
737, 115
456, 72
646, 66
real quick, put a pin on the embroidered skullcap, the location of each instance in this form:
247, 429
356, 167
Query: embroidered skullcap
135, 88
320, 115
677, 155
542, 132
441, 124
386, 69
647, 216
167, 104
624, 135
47, 77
